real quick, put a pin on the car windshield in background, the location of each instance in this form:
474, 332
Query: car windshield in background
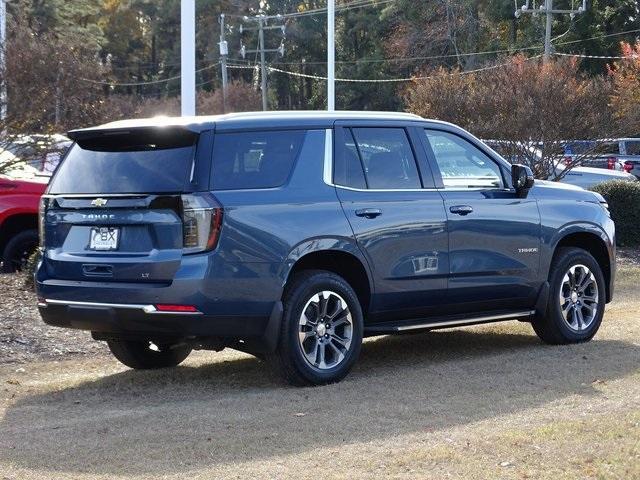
588, 147
632, 147
158, 170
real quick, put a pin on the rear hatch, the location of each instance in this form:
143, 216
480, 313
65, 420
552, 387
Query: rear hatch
124, 206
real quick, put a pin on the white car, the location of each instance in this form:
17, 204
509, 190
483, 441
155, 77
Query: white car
585, 177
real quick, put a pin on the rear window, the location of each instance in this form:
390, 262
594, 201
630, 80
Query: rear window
127, 163
260, 159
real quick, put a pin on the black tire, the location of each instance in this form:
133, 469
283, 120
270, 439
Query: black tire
18, 250
289, 360
139, 355
552, 327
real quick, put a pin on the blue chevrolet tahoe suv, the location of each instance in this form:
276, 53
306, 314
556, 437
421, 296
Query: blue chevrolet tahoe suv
292, 236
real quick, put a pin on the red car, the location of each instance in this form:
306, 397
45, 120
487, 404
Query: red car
19, 201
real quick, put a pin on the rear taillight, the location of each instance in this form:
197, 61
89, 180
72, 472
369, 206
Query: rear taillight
611, 163
42, 213
567, 161
201, 222
628, 166
163, 307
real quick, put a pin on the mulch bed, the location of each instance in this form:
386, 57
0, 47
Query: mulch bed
23, 335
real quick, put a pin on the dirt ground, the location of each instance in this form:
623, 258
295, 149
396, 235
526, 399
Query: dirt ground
484, 402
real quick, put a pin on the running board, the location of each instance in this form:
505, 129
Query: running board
435, 323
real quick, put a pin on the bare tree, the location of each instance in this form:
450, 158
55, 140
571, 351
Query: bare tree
52, 86
533, 108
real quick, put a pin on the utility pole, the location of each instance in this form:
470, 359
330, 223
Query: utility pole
263, 66
548, 10
331, 55
3, 67
224, 51
187, 57
57, 108
262, 25
547, 31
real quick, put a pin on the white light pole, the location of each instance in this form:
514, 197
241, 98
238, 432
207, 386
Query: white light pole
187, 57
3, 73
331, 55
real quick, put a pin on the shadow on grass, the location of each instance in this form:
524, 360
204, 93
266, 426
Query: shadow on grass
190, 417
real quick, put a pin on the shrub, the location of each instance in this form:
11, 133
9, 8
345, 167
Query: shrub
241, 97
624, 204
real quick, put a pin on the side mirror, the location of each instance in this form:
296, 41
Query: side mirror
522, 179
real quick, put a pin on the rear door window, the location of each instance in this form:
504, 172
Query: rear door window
377, 158
348, 169
157, 162
259, 159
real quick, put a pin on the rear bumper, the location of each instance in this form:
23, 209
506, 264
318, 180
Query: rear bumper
139, 320
237, 301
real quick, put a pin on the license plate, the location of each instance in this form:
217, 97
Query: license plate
104, 238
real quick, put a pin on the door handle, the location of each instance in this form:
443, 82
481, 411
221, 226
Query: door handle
461, 209
369, 212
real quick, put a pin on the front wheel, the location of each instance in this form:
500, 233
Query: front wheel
321, 331
576, 299
145, 355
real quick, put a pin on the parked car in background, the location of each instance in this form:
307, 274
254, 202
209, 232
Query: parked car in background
584, 177
292, 235
616, 154
40, 151
19, 200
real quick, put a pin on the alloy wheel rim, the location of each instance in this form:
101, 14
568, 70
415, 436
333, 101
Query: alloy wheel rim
579, 298
325, 330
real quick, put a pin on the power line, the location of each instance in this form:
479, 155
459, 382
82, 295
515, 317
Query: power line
317, 11
598, 57
376, 80
435, 57
395, 59
637, 30
150, 82
406, 59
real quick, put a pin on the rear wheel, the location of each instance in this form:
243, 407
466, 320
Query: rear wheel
144, 355
321, 331
576, 299
18, 250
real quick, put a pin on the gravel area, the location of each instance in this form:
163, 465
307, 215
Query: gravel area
23, 335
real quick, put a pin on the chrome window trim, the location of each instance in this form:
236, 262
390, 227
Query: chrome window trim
327, 176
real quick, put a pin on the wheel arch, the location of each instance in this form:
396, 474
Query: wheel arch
596, 243
342, 258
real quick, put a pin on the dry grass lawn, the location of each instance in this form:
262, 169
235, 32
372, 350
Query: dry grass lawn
484, 403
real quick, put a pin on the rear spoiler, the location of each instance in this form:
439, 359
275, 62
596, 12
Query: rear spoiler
147, 137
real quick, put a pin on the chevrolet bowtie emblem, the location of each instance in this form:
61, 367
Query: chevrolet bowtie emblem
99, 202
